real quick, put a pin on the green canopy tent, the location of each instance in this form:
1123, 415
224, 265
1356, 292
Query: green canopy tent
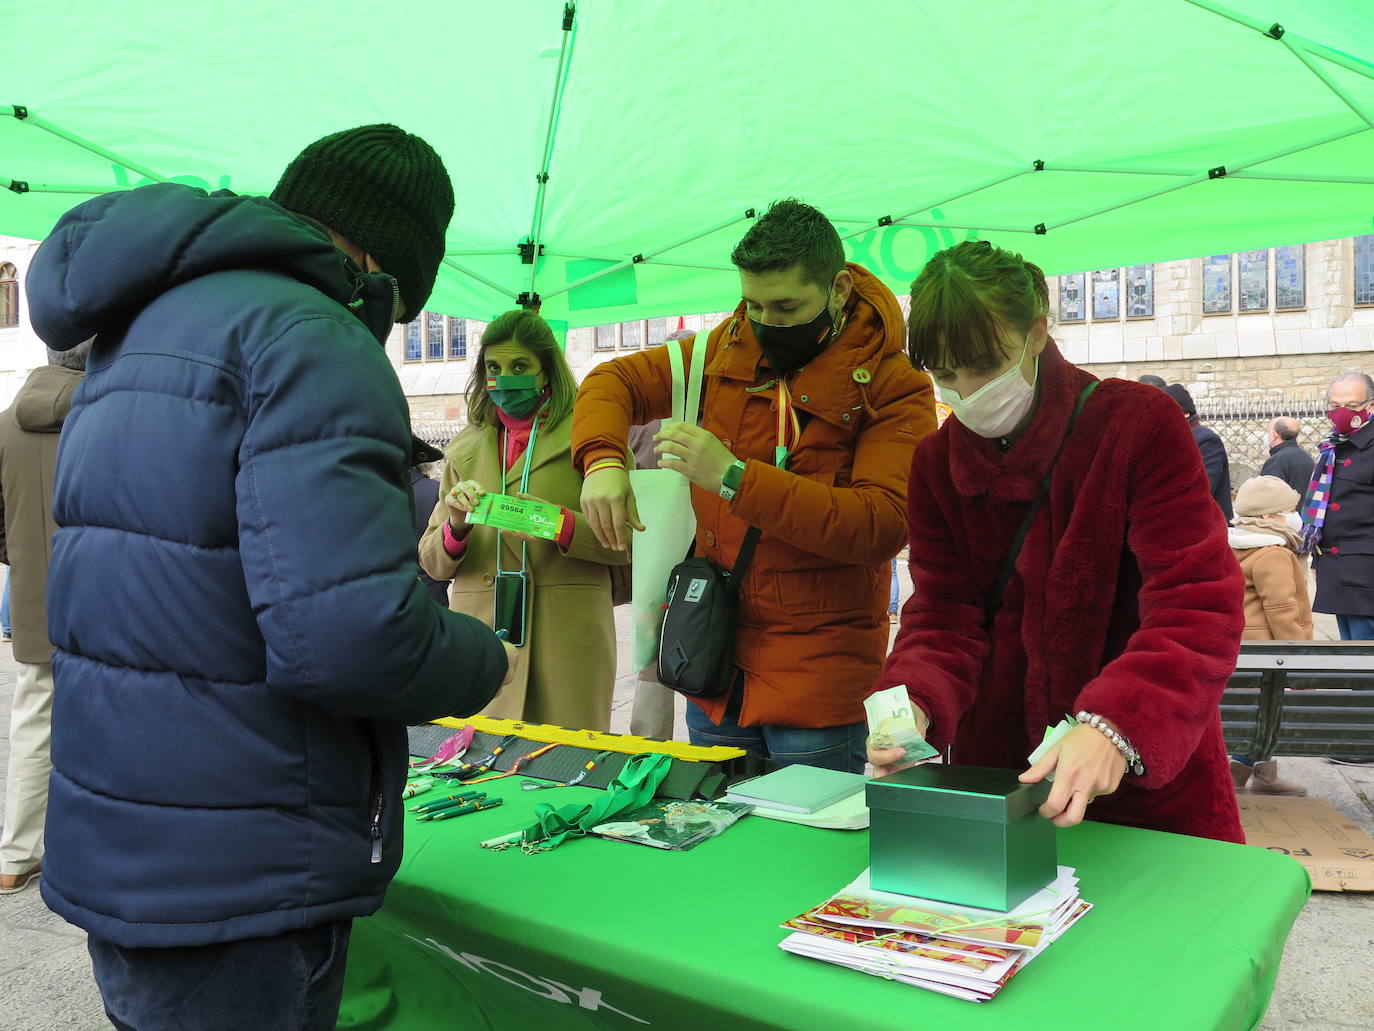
607, 156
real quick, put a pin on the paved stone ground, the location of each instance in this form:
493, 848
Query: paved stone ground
1323, 985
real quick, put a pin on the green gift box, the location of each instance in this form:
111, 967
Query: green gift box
962, 834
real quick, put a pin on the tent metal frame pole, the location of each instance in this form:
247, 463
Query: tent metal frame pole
480, 278
1205, 176
934, 225
1091, 170
560, 83
1335, 57
956, 225
1277, 176
646, 257
581, 257
1230, 15
1311, 46
23, 114
679, 264
20, 186
1340, 91
885, 221
1198, 178
1284, 177
1289, 152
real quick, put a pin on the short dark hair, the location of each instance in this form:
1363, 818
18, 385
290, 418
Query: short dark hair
1286, 428
792, 233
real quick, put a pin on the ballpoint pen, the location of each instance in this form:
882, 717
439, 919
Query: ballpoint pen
461, 810
452, 800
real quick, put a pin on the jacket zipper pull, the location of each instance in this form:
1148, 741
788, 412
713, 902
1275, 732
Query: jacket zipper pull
376, 832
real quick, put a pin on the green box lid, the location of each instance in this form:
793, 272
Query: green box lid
963, 792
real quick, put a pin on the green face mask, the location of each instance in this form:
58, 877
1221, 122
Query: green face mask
517, 396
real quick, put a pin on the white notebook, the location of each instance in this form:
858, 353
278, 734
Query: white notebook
798, 788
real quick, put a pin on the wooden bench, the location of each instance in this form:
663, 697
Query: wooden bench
1311, 698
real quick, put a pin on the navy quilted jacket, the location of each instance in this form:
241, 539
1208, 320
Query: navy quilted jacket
240, 633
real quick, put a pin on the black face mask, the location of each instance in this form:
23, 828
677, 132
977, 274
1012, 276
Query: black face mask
790, 347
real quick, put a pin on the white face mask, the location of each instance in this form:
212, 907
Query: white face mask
996, 408
1294, 521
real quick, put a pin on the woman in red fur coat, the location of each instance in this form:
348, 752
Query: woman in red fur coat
1125, 602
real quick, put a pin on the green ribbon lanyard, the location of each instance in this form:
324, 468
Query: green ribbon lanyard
524, 485
633, 786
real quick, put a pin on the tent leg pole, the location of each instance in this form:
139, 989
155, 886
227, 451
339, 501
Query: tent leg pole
560, 81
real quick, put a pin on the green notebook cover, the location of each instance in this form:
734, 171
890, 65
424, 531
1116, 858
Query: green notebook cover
798, 788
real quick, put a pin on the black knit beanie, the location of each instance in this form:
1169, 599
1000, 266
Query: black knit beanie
383, 189
1180, 394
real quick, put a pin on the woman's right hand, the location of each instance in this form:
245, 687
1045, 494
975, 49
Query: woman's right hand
461, 499
888, 760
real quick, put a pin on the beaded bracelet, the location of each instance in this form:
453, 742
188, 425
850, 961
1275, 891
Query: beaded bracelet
1134, 764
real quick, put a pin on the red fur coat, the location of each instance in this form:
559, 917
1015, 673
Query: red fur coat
1126, 599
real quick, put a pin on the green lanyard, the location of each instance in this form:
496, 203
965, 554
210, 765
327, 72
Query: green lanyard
633, 786
524, 483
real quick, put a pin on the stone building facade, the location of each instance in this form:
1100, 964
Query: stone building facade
1262, 327
20, 349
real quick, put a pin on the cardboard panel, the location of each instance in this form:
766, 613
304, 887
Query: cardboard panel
1336, 854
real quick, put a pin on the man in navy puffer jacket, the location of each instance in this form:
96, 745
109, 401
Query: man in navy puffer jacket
240, 634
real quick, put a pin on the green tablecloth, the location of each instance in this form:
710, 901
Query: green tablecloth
1186, 934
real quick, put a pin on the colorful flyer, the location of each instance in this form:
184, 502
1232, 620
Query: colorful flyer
518, 515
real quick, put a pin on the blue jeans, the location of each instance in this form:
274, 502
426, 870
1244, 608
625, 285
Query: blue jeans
832, 748
5, 604
289, 982
895, 594
1356, 628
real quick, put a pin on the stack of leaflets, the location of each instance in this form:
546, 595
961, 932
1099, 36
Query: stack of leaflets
672, 825
954, 950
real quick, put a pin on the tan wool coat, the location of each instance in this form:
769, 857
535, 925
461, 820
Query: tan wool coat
1277, 605
565, 673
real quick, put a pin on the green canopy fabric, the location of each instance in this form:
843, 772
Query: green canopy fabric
1083, 133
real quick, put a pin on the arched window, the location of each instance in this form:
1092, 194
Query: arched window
9, 295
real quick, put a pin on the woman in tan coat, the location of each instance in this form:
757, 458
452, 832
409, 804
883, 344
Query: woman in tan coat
519, 416
1265, 536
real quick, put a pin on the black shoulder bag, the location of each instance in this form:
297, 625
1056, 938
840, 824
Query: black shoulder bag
1003, 577
697, 650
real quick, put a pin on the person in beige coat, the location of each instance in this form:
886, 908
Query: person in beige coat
29, 432
521, 391
1264, 537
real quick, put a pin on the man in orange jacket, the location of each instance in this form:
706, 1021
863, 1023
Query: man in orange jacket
824, 340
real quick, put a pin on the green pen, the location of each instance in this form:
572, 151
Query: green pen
460, 810
431, 804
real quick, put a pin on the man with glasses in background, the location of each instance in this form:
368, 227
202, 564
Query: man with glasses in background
1338, 519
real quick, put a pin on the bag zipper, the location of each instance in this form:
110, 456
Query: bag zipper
374, 831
